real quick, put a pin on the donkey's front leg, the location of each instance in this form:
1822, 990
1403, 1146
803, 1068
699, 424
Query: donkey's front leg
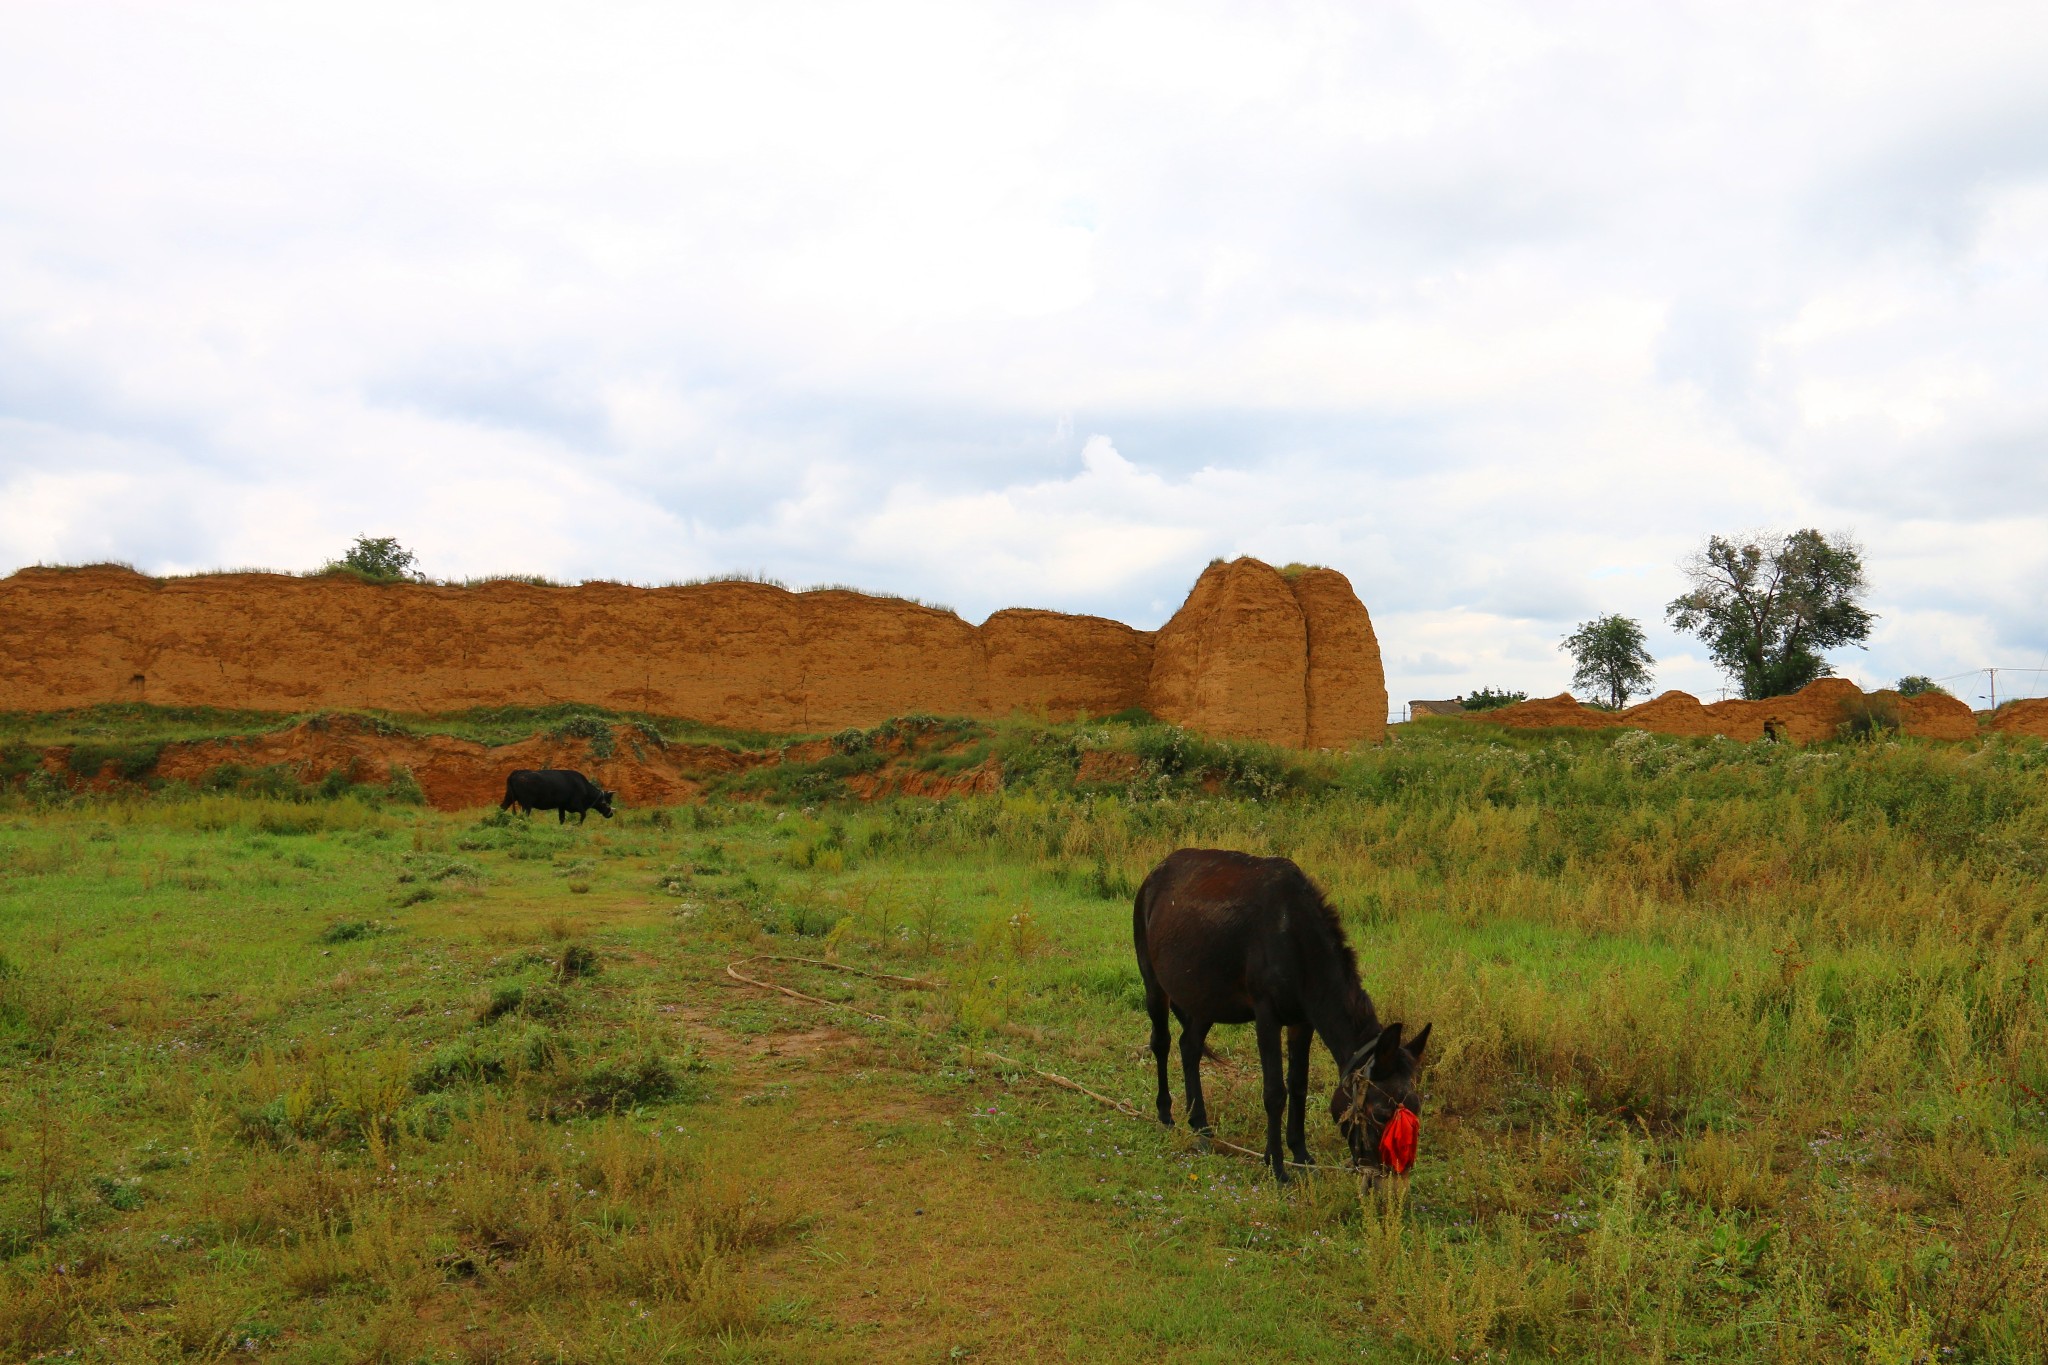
1276, 1092
1299, 1039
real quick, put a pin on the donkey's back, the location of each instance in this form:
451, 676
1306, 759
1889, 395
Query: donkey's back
1220, 932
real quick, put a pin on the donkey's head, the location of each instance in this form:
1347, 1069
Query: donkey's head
1378, 1084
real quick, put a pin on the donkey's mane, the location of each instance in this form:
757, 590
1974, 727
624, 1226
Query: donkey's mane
1322, 906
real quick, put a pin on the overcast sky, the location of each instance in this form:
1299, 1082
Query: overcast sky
1500, 310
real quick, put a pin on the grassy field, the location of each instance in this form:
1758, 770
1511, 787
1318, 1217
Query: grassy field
1740, 1052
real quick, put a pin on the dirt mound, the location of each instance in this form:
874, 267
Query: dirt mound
1816, 712
2028, 717
1250, 655
1229, 660
1562, 709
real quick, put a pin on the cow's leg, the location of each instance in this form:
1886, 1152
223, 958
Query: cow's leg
561, 815
1193, 1033
1299, 1039
582, 815
1276, 1090
1162, 1043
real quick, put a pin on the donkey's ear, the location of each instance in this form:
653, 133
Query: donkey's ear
1420, 1041
1389, 1039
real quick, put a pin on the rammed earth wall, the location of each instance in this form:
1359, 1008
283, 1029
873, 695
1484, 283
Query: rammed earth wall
1252, 654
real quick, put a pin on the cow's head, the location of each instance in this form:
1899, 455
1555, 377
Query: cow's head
603, 805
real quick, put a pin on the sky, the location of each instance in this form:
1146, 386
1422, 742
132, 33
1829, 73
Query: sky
1500, 310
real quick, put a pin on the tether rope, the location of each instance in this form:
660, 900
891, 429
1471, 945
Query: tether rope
1124, 1107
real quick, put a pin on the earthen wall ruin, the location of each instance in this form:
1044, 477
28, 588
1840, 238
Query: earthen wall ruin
1252, 654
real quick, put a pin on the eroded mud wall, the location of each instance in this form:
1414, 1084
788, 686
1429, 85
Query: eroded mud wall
2029, 717
1253, 654
1257, 654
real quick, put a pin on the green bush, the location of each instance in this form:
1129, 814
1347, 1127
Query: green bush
1868, 717
595, 729
1491, 699
401, 786
375, 559
129, 761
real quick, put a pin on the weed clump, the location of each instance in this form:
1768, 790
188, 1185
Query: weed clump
528, 1001
578, 960
351, 930
614, 1085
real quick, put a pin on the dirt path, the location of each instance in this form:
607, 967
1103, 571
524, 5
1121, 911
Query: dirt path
922, 1230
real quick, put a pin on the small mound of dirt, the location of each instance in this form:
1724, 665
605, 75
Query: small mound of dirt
1816, 712
2028, 717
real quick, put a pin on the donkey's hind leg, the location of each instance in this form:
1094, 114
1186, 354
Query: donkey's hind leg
1162, 1043
1194, 1033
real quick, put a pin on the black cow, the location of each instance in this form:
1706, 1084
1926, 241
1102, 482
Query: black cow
558, 790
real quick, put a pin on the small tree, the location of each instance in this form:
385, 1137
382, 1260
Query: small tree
1915, 684
380, 558
1612, 661
1768, 606
1491, 699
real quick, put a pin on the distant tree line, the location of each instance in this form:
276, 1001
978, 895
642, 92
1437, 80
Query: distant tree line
1768, 606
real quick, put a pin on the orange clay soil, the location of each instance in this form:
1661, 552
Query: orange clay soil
1814, 713
2028, 717
460, 774
1251, 654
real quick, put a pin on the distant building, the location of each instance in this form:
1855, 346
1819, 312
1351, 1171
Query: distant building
1453, 707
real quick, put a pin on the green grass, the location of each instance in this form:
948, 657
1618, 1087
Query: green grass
1738, 1054
125, 732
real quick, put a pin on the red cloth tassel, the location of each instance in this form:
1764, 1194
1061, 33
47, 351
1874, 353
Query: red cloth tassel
1397, 1141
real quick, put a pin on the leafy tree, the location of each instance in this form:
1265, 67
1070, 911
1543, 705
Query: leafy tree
380, 558
1612, 661
1914, 684
1487, 699
1768, 605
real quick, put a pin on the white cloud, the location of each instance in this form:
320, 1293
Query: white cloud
1500, 312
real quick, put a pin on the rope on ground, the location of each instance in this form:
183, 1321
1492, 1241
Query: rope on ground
1124, 1107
